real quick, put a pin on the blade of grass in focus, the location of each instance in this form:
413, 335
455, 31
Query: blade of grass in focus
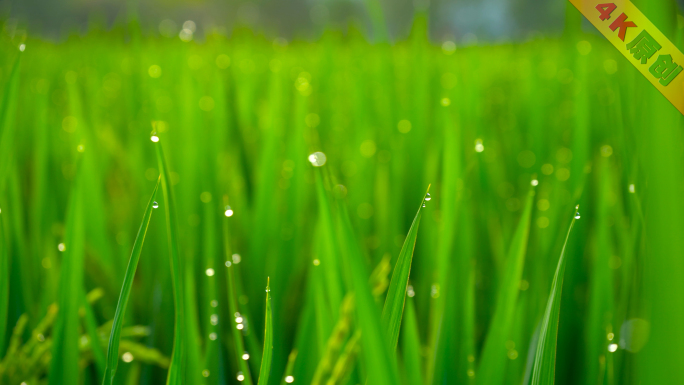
267, 355
113, 350
492, 364
396, 294
543, 371
174, 376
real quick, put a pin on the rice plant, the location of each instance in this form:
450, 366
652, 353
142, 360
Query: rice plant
300, 168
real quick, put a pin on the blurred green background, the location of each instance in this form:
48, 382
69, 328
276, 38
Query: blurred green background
397, 98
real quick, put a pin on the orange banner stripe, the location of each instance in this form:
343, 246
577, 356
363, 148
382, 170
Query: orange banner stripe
641, 43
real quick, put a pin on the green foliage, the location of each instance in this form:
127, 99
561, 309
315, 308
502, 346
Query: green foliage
238, 118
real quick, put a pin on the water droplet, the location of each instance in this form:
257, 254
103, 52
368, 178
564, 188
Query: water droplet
214, 319
236, 258
632, 189
410, 292
228, 263
634, 334
155, 205
428, 197
577, 215
479, 147
240, 376
127, 357
316, 262
289, 379
434, 292
423, 204
240, 326
229, 211
317, 159
214, 303
213, 336
612, 348
61, 247
534, 182
245, 356
22, 47
210, 272
154, 137
205, 373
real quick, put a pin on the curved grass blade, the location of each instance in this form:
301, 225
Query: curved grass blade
174, 376
544, 369
267, 355
114, 337
492, 364
396, 294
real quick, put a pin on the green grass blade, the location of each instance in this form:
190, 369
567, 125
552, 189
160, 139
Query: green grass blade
65, 352
544, 369
396, 294
174, 376
238, 337
411, 346
7, 124
267, 355
379, 360
114, 337
4, 287
493, 363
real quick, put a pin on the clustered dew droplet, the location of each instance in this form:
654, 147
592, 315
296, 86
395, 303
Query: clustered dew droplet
577, 213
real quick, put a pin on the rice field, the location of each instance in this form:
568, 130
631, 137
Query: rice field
261, 211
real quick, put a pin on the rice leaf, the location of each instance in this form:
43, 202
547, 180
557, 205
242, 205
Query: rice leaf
65, 351
238, 338
411, 346
114, 337
174, 376
4, 286
544, 369
493, 362
267, 355
379, 360
7, 125
396, 294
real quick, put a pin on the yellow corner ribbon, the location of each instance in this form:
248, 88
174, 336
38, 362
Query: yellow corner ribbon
641, 43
